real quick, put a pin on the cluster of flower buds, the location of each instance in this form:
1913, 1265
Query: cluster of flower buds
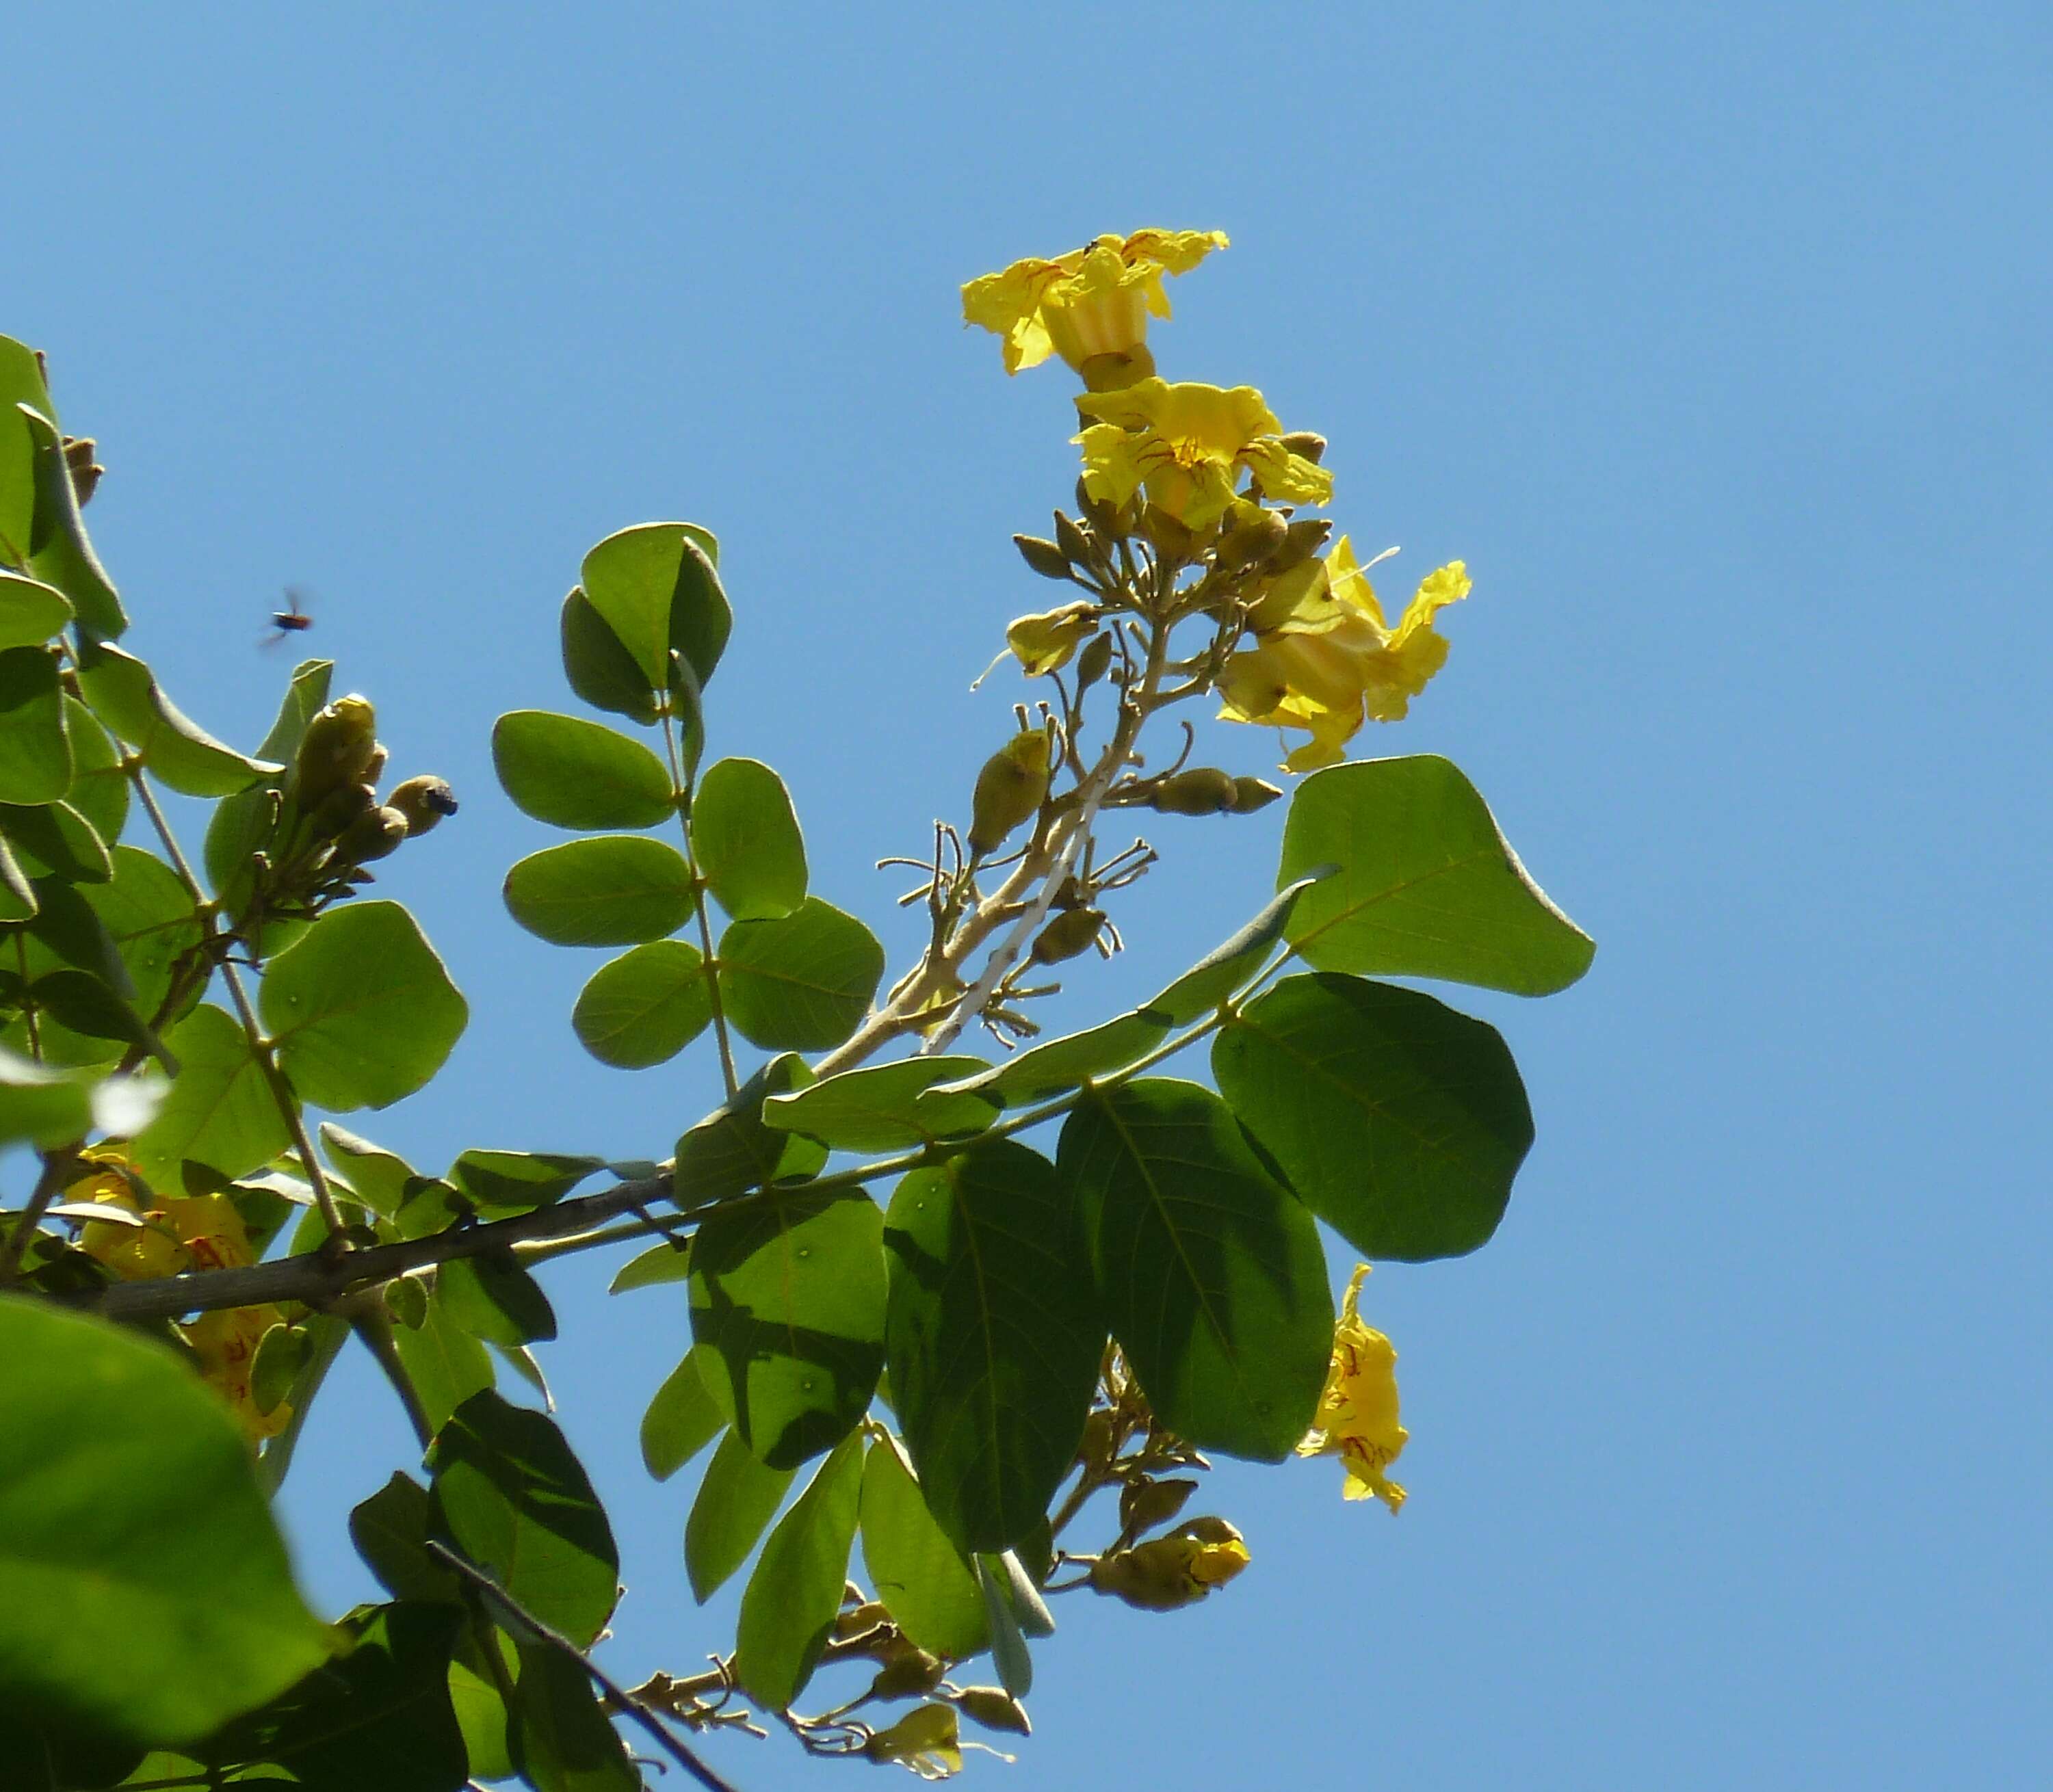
327, 823
1174, 1571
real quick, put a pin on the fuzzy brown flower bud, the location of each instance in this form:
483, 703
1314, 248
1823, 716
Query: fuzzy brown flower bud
995, 1708
1091, 663
1010, 790
1202, 790
1043, 557
339, 808
337, 749
372, 836
1068, 933
1308, 443
1303, 539
1251, 794
425, 801
1144, 1504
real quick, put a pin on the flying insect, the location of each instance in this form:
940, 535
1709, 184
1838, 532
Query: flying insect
292, 620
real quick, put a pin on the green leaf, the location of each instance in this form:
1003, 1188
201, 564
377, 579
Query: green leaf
1426, 885
598, 668
379, 1715
85, 1006
503, 1183
123, 693
1062, 1065
1210, 1273
788, 1607
305, 694
681, 1422
731, 1150
656, 588
617, 890
737, 1499
921, 1577
885, 1107
516, 1500
35, 744
446, 1365
1399, 1122
384, 1181
993, 1338
801, 984
787, 1294
54, 839
746, 841
567, 1743
1226, 967
359, 1008
99, 786
659, 1264
494, 1299
646, 1006
47, 1107
61, 553
481, 1714
574, 773
21, 383
30, 611
149, 919
220, 1112
115, 1623
390, 1530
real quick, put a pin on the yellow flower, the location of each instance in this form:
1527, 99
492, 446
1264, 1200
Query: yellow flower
927, 1738
1043, 642
1188, 445
135, 1253
226, 1342
1357, 1416
1325, 660
1093, 301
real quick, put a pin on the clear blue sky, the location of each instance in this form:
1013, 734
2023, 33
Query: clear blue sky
1714, 338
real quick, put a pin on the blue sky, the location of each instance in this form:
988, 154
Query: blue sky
1714, 339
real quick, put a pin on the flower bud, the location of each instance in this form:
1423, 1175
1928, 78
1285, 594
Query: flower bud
906, 1670
1143, 1505
1043, 642
995, 1708
1010, 790
1303, 539
1202, 790
1170, 535
1092, 663
1251, 794
1043, 557
339, 808
1103, 517
372, 835
337, 749
1075, 545
1306, 442
1175, 1570
85, 471
1067, 935
1250, 534
424, 802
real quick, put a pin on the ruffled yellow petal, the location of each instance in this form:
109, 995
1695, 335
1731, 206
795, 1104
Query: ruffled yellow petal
1357, 1416
1092, 301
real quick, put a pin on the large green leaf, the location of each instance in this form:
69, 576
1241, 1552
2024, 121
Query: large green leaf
219, 1112
788, 1607
30, 611
737, 1499
1426, 886
150, 917
62, 553
787, 1296
992, 1337
1210, 1273
445, 1364
1224, 969
390, 1530
501, 1182
567, 1743
1399, 1122
731, 1150
598, 668
35, 744
800, 984
493, 1298
745, 838
516, 1501
382, 1179
921, 1577
99, 786
655, 586
360, 1009
682, 1419
886, 1107
656, 1267
147, 1593
574, 773
617, 890
379, 1715
646, 1006
123, 693
1065, 1064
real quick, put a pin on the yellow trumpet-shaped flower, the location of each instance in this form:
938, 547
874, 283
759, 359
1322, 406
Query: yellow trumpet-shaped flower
1188, 446
1325, 660
1357, 1416
927, 1739
1093, 301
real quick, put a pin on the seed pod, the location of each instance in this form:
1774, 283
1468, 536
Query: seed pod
907, 1669
1043, 557
337, 749
1202, 790
339, 808
1010, 790
1308, 443
1302, 539
1092, 662
1067, 935
995, 1708
1251, 794
424, 802
372, 835
1143, 1505
1074, 545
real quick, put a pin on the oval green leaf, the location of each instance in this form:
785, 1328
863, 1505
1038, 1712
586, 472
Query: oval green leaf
681, 1420
445, 1364
360, 1010
35, 743
646, 1006
219, 1112
55, 839
598, 668
617, 890
923, 1579
800, 984
737, 1499
1399, 1122
731, 1150
1226, 967
1209, 1272
574, 773
746, 841
886, 1107
30, 611
788, 1607
123, 693
495, 1299
1426, 885
655, 586
1065, 1064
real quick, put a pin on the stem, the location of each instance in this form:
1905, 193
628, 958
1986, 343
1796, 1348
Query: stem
56, 1166
708, 964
